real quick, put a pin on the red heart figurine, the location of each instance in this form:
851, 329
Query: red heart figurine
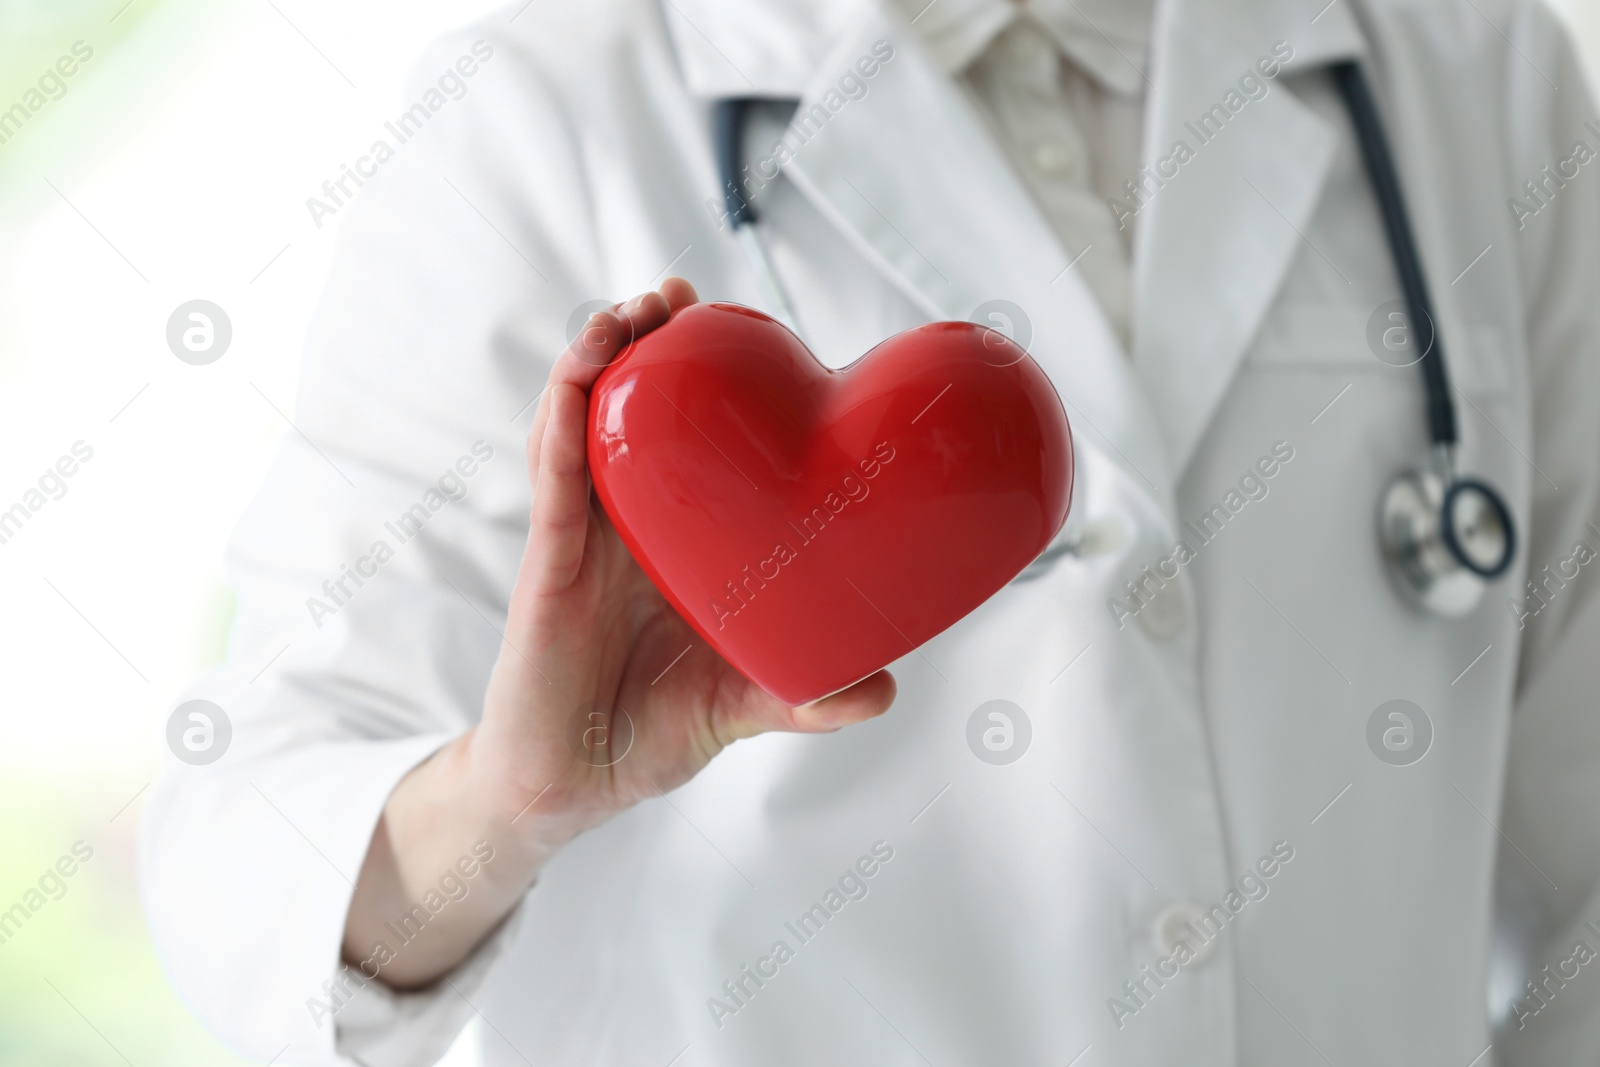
816, 525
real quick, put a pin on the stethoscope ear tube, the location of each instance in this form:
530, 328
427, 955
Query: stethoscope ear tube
727, 132
1402, 244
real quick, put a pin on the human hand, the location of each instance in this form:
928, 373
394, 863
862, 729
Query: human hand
602, 695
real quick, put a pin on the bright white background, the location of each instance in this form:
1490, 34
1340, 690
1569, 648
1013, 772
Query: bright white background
176, 167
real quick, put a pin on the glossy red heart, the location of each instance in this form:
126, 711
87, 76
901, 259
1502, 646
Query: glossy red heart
816, 525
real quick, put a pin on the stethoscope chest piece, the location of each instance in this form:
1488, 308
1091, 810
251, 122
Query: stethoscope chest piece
1444, 539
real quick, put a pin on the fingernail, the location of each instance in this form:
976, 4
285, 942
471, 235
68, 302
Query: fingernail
817, 717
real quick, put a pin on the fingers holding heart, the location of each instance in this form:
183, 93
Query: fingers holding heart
867, 699
678, 293
600, 341
759, 713
560, 519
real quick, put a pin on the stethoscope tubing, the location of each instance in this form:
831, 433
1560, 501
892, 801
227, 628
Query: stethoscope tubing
1386, 188
728, 123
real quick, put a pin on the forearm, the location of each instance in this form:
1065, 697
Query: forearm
417, 912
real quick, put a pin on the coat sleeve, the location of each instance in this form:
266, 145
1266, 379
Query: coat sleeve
1548, 881
373, 567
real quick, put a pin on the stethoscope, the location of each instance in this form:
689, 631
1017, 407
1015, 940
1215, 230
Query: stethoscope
727, 129
1444, 537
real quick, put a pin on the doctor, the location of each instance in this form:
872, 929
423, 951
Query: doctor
1205, 790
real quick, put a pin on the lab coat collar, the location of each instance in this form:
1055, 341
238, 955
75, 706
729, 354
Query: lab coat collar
1212, 244
757, 48
1216, 236
911, 175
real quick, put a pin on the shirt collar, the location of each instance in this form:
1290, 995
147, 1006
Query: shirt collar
1108, 39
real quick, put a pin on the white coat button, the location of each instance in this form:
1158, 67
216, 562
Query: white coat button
1180, 924
1051, 159
1164, 615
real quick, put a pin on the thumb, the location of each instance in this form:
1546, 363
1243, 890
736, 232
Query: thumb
867, 699
759, 713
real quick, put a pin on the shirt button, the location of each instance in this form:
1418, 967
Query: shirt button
1164, 615
1052, 159
1181, 924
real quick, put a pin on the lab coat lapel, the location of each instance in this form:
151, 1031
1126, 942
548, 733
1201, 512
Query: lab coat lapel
910, 173
1217, 234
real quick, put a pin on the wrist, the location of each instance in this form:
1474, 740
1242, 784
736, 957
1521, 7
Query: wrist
529, 816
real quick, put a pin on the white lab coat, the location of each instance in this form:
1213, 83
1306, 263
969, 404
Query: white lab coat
1169, 755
